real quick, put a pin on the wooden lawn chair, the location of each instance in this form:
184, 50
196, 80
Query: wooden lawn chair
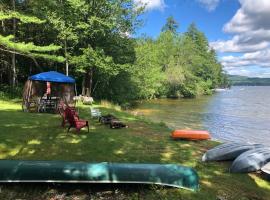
74, 120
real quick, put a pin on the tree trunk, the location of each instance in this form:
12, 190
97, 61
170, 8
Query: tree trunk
13, 68
30, 69
9, 75
66, 59
86, 84
13, 59
1, 77
88, 80
3, 26
83, 86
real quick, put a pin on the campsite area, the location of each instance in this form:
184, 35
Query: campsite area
73, 71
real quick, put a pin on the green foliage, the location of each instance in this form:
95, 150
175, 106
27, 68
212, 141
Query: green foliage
25, 47
8, 92
65, 31
28, 49
147, 69
23, 18
189, 90
171, 25
176, 65
91, 58
94, 39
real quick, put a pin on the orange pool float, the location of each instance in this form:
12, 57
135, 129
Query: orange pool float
190, 134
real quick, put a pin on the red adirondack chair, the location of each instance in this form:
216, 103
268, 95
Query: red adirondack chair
74, 120
63, 113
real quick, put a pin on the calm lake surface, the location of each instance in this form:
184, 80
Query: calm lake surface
238, 114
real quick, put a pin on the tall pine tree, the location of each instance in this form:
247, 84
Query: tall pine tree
12, 46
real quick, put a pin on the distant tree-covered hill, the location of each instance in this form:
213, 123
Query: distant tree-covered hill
248, 81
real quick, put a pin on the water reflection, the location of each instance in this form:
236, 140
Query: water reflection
238, 114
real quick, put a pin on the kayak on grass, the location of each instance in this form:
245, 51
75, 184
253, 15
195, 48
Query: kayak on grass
228, 151
82, 172
190, 134
251, 160
266, 171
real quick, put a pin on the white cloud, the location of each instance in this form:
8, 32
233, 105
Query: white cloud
239, 44
252, 15
250, 27
151, 4
210, 5
249, 71
257, 58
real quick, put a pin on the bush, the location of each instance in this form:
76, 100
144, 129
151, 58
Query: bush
8, 92
189, 91
204, 87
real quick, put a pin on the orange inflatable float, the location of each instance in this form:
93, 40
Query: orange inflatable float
190, 134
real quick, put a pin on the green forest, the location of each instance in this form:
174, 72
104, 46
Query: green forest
95, 42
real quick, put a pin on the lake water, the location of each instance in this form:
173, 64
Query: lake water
238, 114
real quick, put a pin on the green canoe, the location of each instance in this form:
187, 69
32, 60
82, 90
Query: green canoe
82, 172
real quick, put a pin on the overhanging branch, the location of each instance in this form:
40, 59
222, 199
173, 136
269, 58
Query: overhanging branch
26, 55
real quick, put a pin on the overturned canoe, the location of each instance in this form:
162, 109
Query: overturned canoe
228, 151
251, 160
266, 171
81, 172
190, 135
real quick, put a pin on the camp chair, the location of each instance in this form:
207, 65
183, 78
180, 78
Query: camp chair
106, 119
113, 121
32, 105
41, 105
74, 120
62, 113
117, 124
95, 113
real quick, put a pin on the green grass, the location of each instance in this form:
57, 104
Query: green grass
35, 136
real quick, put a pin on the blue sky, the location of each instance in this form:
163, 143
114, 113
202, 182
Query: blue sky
239, 30
185, 12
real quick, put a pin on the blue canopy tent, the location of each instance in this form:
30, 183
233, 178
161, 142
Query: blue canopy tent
49, 87
52, 76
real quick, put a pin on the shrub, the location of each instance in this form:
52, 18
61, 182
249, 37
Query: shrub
8, 92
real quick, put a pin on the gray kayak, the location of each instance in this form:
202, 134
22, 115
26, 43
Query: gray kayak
82, 172
251, 160
228, 151
266, 171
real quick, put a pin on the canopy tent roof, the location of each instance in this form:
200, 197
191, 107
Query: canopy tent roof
52, 76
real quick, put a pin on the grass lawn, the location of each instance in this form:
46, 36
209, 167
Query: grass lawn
35, 136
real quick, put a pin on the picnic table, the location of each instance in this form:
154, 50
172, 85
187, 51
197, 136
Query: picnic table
48, 104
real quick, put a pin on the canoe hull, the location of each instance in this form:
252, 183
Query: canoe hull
228, 151
251, 160
190, 135
266, 171
81, 172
